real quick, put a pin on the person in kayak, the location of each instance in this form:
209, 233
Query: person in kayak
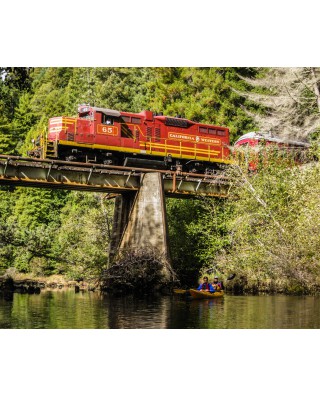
217, 285
205, 286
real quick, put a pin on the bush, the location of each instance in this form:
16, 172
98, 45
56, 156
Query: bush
138, 270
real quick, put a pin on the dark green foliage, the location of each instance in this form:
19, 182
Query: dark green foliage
34, 207
7, 144
29, 221
14, 82
16, 78
198, 231
185, 237
122, 88
82, 242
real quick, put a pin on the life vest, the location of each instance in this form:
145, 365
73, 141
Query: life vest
205, 287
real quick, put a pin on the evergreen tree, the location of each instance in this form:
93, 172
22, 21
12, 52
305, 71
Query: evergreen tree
202, 94
122, 88
14, 82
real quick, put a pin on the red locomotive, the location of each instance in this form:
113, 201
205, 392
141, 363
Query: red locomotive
135, 139
288, 149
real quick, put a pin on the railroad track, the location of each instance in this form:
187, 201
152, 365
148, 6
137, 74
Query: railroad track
59, 174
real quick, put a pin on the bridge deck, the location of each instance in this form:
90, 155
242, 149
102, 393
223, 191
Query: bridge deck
57, 174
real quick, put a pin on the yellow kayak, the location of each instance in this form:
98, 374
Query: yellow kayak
205, 295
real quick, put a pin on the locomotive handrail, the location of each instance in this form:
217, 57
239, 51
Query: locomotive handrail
44, 138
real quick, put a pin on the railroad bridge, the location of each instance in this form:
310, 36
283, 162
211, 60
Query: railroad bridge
140, 212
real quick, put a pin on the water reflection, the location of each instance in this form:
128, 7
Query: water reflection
65, 309
54, 309
138, 312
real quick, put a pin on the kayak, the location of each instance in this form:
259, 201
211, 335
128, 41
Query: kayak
205, 295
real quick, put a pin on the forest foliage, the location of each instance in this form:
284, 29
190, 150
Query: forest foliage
273, 246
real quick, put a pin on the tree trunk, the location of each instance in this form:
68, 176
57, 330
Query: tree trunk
316, 86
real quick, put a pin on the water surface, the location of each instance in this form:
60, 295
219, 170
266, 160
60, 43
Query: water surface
66, 309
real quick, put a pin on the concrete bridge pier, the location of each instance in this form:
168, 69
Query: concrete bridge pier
122, 208
140, 222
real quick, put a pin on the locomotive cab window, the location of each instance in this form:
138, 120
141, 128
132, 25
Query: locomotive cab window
221, 132
125, 119
212, 131
136, 120
107, 119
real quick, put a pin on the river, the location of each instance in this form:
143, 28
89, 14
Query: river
91, 310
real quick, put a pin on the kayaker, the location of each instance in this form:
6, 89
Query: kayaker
206, 286
217, 285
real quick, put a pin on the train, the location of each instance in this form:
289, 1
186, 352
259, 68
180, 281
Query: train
145, 140
148, 140
253, 142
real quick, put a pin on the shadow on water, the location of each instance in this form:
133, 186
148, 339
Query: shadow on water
87, 310
136, 312
6, 303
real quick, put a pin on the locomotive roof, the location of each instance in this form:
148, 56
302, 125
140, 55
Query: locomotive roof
108, 112
270, 137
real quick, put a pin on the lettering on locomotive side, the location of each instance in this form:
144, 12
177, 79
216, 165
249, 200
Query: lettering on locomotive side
213, 141
182, 137
193, 138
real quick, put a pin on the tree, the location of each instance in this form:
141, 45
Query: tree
16, 77
291, 101
202, 94
185, 224
14, 82
273, 229
82, 243
28, 226
122, 88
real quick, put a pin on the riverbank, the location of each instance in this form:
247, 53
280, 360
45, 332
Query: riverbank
27, 283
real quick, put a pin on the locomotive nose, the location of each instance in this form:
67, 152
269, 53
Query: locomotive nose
60, 127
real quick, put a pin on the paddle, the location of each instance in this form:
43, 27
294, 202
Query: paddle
179, 291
